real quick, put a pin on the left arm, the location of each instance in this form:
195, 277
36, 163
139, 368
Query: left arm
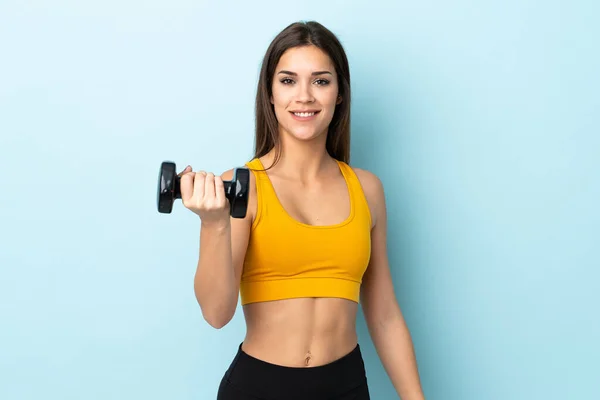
383, 316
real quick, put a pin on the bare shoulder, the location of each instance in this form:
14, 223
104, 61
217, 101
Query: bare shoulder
373, 190
368, 180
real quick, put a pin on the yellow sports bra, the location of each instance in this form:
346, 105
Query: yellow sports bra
286, 258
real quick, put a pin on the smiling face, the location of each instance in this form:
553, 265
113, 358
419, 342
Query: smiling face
305, 92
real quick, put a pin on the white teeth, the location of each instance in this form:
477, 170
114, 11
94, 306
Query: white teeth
304, 114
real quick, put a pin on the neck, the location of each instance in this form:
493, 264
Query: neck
301, 160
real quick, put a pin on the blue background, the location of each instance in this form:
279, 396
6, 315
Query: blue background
481, 119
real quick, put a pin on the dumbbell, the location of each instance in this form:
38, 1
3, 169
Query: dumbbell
169, 189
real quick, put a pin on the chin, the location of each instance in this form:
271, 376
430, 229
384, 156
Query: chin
305, 133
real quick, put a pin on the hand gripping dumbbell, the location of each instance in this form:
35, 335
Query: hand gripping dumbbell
169, 189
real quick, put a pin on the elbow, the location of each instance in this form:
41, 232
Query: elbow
217, 311
217, 318
217, 322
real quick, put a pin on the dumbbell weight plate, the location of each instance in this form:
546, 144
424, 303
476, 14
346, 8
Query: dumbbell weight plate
168, 187
238, 189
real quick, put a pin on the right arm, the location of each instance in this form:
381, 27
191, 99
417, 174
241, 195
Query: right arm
223, 244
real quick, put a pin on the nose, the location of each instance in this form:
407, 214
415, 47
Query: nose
304, 93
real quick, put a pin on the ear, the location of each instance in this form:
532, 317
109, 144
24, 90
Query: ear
271, 98
339, 99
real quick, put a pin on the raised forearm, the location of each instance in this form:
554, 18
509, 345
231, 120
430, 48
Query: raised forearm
214, 282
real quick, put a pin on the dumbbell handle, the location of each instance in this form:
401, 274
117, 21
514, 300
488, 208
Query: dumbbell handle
177, 187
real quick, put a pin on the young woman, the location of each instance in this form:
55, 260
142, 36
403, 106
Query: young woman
312, 245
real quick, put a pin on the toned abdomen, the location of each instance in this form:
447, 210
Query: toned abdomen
305, 332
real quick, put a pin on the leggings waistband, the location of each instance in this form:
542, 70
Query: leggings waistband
272, 381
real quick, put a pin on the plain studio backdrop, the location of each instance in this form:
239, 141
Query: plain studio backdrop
480, 117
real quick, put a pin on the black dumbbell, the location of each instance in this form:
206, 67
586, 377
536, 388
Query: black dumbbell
169, 189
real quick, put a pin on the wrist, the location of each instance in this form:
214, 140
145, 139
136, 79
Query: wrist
215, 226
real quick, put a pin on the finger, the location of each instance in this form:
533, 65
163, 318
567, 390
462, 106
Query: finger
209, 186
219, 190
186, 170
199, 184
186, 186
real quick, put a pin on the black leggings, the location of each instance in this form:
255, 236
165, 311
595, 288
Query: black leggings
249, 378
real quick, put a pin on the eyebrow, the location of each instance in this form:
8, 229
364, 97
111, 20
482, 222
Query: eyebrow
313, 74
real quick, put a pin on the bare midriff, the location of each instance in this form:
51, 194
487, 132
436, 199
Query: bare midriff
303, 332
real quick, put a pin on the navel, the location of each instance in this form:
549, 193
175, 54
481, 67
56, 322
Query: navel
307, 359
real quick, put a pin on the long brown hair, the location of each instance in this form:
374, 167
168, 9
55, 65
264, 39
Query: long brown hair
294, 35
